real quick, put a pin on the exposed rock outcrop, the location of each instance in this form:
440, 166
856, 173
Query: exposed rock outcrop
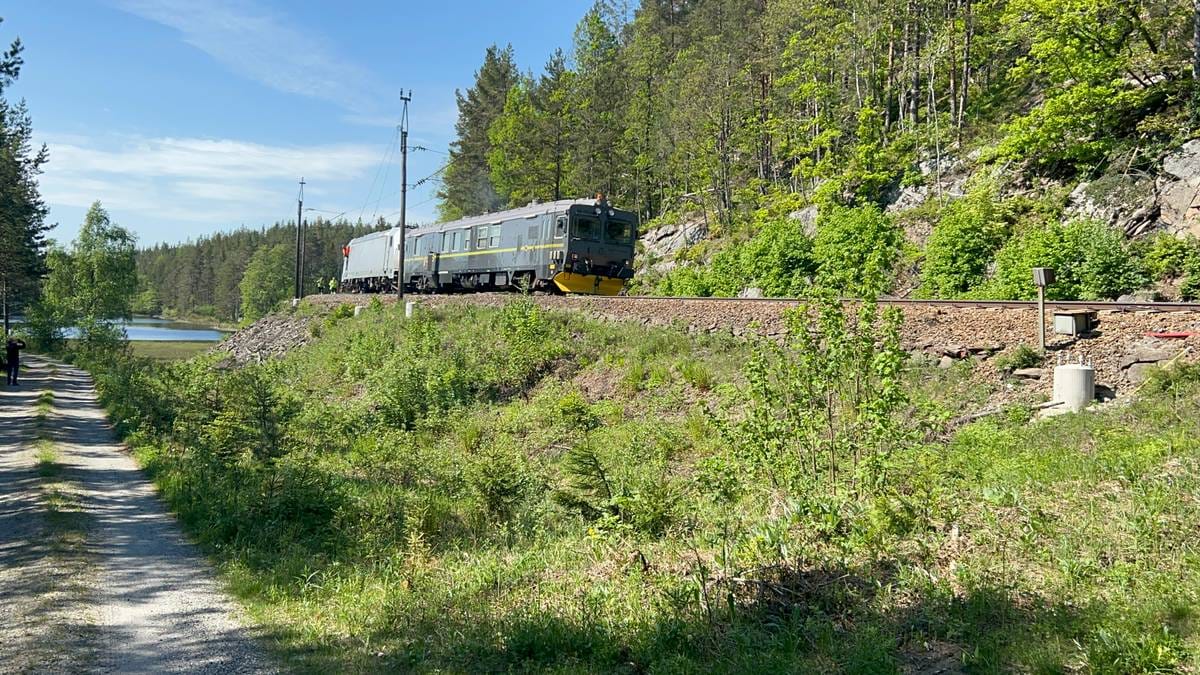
1129, 203
1179, 190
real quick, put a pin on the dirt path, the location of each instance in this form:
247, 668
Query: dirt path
95, 574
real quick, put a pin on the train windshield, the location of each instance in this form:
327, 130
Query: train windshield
619, 231
587, 228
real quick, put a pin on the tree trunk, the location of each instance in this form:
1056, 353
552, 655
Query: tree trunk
888, 87
1196, 39
905, 52
916, 66
965, 81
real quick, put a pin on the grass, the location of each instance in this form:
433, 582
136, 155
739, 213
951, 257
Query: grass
168, 350
507, 490
47, 459
42, 408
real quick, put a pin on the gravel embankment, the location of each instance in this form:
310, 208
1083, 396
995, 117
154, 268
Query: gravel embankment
1119, 349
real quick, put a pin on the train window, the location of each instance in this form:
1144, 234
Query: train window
481, 237
587, 228
619, 232
560, 227
464, 239
495, 240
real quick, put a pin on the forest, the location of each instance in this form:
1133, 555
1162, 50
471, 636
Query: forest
738, 115
741, 119
229, 276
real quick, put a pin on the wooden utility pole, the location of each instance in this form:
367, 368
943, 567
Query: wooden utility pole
403, 190
300, 242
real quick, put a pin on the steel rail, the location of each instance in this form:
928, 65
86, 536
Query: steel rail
1098, 305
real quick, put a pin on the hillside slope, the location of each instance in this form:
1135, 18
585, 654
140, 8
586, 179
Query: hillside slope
490, 489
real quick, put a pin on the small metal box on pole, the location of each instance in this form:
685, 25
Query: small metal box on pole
1042, 277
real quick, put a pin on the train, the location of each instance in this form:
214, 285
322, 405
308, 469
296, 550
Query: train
565, 246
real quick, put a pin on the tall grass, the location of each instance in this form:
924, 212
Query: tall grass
490, 490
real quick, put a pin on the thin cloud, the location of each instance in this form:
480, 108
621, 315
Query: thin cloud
220, 159
202, 183
262, 46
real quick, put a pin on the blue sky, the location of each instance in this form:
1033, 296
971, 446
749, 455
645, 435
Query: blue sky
185, 117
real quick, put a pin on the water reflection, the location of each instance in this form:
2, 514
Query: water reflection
149, 329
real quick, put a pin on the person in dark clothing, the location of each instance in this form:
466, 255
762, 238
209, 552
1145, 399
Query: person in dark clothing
12, 355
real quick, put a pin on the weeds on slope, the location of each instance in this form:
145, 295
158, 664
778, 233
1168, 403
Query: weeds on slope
519, 490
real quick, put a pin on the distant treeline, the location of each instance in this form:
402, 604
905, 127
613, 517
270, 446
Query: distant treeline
205, 277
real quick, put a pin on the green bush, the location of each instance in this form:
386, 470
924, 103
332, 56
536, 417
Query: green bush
1021, 356
423, 375
1190, 288
530, 345
1091, 261
502, 479
855, 250
776, 259
1072, 128
1165, 256
961, 248
824, 408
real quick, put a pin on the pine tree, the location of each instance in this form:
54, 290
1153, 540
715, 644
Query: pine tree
467, 187
22, 212
598, 102
530, 157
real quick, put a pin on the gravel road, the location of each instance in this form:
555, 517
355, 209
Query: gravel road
106, 583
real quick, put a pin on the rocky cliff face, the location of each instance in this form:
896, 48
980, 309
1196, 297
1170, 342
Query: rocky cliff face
1178, 187
1136, 202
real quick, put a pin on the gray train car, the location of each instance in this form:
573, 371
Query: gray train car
569, 246
369, 262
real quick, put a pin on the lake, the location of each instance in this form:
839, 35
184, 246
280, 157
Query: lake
146, 329
149, 329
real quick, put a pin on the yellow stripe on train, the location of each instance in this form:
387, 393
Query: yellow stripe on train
591, 284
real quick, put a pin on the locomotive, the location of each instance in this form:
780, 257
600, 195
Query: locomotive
565, 246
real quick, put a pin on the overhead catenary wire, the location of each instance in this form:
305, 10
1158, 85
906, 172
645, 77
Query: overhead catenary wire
385, 161
413, 186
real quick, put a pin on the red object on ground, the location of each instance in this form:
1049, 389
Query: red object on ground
1173, 336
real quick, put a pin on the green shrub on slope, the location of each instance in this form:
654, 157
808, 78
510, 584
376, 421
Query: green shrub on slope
960, 250
1091, 261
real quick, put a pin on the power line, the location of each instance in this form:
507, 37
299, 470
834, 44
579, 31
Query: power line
384, 162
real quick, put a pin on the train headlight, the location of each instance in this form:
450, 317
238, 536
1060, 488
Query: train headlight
574, 256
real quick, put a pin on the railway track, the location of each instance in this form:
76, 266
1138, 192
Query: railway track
1098, 305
